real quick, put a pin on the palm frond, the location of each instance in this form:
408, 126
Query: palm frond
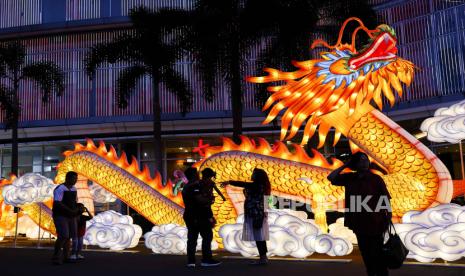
124, 48
169, 18
12, 55
207, 65
127, 81
47, 75
176, 84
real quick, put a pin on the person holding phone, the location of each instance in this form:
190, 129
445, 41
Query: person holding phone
367, 209
255, 218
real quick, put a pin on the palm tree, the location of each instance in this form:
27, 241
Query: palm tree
14, 69
149, 52
221, 33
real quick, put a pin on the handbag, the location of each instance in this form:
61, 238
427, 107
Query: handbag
394, 251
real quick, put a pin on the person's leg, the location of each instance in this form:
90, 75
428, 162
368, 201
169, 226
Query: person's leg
79, 245
62, 230
74, 245
380, 264
207, 236
66, 249
72, 234
366, 250
192, 236
262, 250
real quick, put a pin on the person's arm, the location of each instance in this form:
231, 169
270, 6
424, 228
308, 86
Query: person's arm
62, 206
241, 184
89, 215
219, 192
337, 178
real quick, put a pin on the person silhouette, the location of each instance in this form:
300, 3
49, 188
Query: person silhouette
367, 209
255, 218
199, 219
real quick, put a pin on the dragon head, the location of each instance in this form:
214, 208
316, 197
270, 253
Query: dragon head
381, 48
343, 80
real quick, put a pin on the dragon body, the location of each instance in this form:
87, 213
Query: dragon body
340, 90
126, 181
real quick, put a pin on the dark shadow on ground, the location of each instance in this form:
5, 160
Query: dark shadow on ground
23, 262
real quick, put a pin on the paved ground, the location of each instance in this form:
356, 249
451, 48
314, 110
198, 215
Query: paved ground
27, 261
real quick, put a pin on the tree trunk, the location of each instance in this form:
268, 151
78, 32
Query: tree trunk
14, 144
236, 95
14, 127
157, 141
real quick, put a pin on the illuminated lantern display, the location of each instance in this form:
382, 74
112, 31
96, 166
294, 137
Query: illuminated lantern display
32, 192
334, 91
318, 201
170, 239
338, 229
448, 125
437, 232
113, 231
291, 234
29, 188
100, 195
84, 194
7, 222
31, 229
147, 195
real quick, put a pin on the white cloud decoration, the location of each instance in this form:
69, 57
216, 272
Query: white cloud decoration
112, 230
447, 124
290, 235
338, 230
29, 188
100, 195
437, 232
328, 244
170, 239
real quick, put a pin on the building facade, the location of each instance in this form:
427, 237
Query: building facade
430, 33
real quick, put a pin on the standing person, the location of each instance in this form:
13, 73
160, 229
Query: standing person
64, 214
368, 210
255, 217
81, 231
199, 220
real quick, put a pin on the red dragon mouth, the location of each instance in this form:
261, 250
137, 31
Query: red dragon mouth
383, 48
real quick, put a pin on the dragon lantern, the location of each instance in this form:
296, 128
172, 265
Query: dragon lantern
335, 91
